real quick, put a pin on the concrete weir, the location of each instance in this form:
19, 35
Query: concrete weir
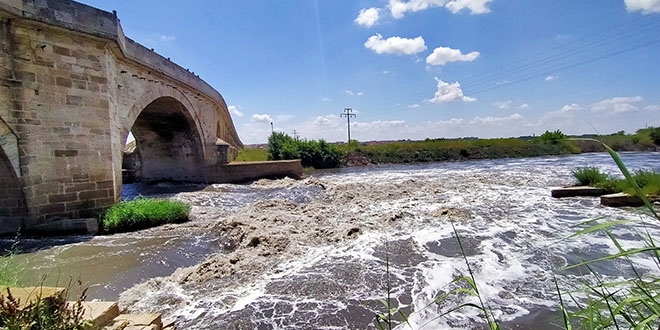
72, 86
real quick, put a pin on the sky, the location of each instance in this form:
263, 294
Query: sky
414, 69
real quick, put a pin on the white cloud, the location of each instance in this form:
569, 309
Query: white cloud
234, 111
281, 118
166, 38
645, 6
523, 106
503, 104
398, 8
352, 93
262, 118
414, 106
652, 108
450, 93
395, 45
568, 111
326, 99
385, 72
617, 105
550, 78
368, 17
444, 55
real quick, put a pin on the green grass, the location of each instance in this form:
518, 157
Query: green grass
252, 155
632, 302
143, 213
589, 176
647, 180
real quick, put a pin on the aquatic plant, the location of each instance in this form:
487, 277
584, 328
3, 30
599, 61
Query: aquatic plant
633, 302
589, 176
143, 213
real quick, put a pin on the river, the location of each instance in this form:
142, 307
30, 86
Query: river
320, 253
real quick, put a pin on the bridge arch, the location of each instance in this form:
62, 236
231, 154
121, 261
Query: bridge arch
168, 137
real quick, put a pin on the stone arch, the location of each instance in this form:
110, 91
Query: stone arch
168, 137
12, 199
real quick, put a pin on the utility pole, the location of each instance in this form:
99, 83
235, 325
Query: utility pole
295, 135
348, 114
272, 130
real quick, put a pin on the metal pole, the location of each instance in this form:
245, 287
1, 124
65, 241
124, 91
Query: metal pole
348, 114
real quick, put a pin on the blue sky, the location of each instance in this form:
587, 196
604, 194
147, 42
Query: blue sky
414, 69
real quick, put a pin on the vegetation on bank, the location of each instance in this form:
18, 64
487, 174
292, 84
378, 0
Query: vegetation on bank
320, 154
143, 213
647, 180
249, 154
312, 153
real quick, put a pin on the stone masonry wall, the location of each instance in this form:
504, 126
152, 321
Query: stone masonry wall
71, 87
56, 105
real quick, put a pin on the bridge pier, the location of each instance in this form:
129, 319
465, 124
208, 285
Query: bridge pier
71, 88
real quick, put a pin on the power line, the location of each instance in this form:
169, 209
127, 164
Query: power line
595, 47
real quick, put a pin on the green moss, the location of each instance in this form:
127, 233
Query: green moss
143, 213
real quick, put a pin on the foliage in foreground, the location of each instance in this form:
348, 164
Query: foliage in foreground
47, 313
312, 153
632, 302
143, 213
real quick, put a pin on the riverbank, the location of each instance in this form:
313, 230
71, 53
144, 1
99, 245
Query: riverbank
438, 150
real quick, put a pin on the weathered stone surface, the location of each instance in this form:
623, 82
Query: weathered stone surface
578, 191
100, 312
620, 199
142, 320
88, 226
73, 86
29, 295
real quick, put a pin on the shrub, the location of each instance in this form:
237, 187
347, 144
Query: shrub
552, 137
589, 176
655, 134
312, 153
143, 213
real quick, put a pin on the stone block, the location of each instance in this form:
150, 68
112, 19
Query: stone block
93, 194
29, 295
60, 198
100, 312
142, 319
577, 191
620, 199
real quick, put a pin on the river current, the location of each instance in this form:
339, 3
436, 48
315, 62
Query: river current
322, 252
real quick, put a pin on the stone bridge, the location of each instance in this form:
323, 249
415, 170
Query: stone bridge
72, 86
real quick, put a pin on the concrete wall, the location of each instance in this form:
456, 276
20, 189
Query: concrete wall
249, 171
71, 87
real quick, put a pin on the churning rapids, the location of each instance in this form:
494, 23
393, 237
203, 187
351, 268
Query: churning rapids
311, 254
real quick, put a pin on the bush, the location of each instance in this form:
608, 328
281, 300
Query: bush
655, 134
552, 137
143, 213
589, 176
312, 153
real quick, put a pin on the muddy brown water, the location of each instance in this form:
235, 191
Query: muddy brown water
313, 254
